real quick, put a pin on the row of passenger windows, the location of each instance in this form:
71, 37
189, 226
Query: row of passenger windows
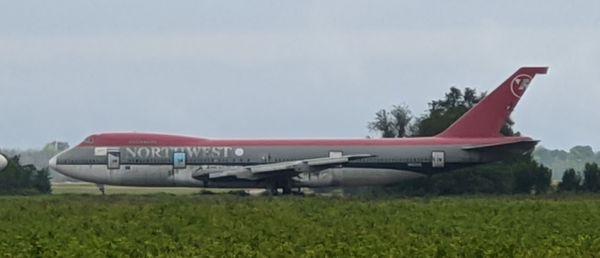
391, 160
82, 161
143, 161
195, 161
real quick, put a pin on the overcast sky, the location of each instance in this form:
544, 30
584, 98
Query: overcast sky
274, 69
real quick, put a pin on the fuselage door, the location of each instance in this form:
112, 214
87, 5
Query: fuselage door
114, 159
179, 160
335, 154
438, 159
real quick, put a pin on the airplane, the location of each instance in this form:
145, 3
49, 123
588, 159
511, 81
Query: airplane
149, 159
3, 162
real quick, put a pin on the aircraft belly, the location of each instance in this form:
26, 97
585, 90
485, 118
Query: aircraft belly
158, 175
133, 176
183, 177
90, 173
152, 175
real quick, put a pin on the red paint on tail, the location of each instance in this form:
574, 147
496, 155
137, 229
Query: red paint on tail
487, 117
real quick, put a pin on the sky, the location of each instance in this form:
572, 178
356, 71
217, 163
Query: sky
286, 69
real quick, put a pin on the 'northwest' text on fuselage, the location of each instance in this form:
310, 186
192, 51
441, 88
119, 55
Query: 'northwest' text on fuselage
192, 152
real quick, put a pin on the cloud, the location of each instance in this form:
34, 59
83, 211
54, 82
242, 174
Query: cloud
305, 70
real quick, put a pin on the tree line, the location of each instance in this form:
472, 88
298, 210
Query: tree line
17, 179
563, 160
40, 157
574, 181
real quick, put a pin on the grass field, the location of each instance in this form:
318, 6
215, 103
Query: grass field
88, 188
220, 225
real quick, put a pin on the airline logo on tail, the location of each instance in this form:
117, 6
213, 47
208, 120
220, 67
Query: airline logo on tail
487, 117
519, 84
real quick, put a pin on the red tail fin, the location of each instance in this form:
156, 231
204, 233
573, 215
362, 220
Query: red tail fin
487, 117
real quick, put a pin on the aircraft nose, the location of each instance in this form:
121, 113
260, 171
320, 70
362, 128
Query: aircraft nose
3, 162
52, 163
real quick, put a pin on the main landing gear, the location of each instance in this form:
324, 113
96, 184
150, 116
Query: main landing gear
285, 185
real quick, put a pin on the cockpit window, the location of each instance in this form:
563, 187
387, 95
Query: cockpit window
89, 140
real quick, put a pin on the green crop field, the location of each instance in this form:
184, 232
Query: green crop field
92, 189
221, 225
87, 188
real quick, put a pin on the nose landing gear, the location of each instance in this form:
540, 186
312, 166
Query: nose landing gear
101, 188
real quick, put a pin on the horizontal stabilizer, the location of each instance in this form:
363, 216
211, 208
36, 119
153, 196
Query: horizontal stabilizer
517, 147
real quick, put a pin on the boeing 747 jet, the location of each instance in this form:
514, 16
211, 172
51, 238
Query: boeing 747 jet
145, 159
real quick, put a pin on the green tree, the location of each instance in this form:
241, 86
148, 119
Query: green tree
41, 181
382, 124
543, 178
392, 124
401, 120
530, 176
24, 180
571, 181
591, 174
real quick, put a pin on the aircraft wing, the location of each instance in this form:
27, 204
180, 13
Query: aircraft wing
291, 168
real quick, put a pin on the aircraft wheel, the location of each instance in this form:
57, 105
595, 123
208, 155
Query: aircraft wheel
298, 193
101, 188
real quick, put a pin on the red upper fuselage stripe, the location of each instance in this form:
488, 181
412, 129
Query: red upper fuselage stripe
144, 139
